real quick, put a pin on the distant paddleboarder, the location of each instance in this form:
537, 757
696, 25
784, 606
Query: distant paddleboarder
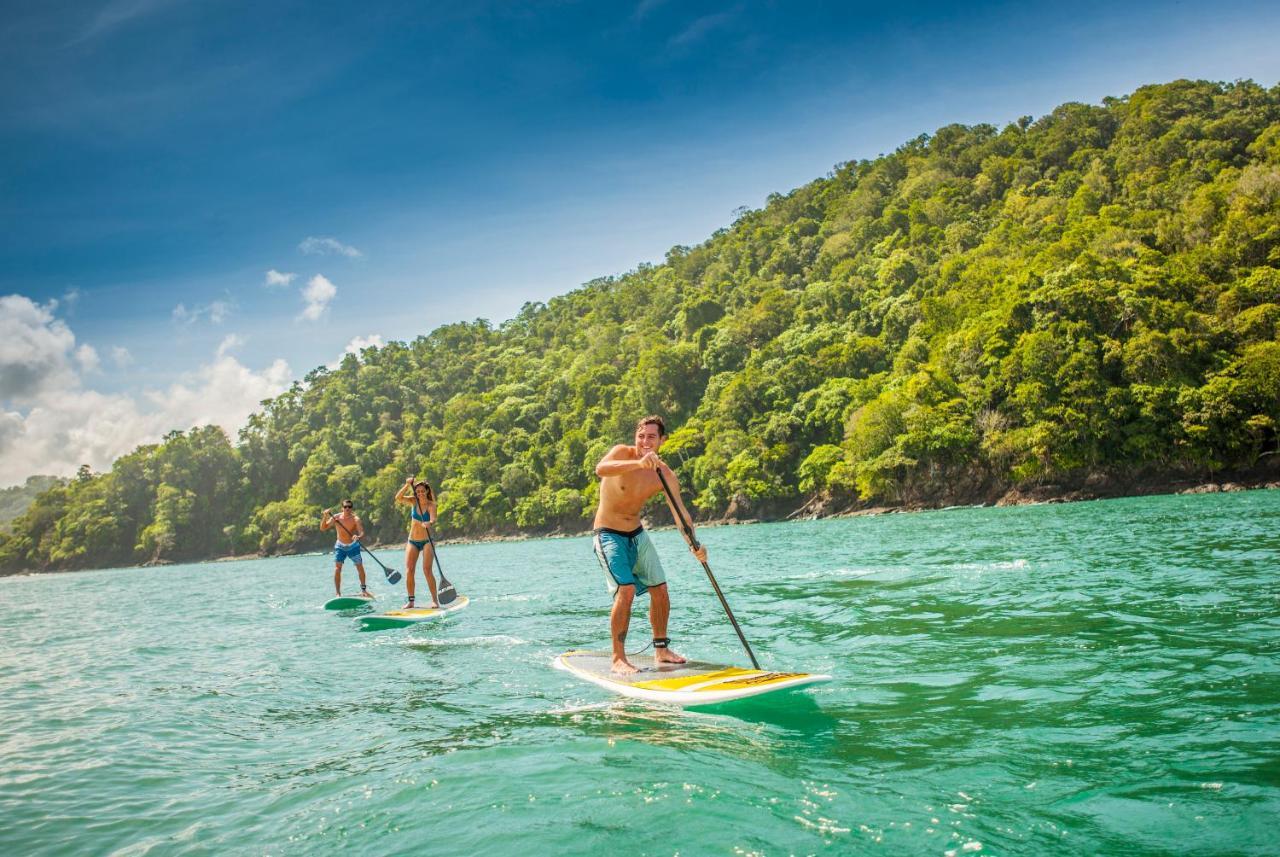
349, 532
628, 479
419, 497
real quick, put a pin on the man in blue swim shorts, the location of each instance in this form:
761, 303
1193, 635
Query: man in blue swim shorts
350, 532
628, 480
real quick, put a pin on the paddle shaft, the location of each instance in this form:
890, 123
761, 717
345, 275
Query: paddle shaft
688, 531
435, 554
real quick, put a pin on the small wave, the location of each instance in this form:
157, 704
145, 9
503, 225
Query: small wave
838, 573
490, 640
983, 566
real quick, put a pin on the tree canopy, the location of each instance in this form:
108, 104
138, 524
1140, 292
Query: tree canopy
1094, 290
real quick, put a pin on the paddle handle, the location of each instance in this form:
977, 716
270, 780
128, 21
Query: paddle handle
688, 531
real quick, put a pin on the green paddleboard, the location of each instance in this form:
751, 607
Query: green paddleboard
348, 602
413, 616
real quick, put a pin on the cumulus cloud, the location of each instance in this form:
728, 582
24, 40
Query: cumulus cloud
50, 422
215, 311
278, 279
121, 357
35, 349
318, 292
313, 246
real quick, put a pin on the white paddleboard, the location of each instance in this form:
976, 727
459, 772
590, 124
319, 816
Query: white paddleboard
413, 616
692, 683
348, 602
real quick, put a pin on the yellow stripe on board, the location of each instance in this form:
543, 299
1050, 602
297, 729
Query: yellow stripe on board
426, 611
685, 681
753, 681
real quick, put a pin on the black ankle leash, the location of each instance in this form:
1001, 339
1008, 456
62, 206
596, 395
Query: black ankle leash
656, 642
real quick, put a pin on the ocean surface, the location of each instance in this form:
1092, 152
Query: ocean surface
1093, 678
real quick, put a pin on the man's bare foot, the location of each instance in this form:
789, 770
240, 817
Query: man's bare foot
666, 656
622, 666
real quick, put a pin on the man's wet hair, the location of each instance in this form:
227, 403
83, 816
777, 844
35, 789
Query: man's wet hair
653, 420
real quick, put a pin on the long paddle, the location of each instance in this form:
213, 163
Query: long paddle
393, 577
445, 594
688, 531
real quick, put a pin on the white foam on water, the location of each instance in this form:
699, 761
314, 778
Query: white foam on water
491, 640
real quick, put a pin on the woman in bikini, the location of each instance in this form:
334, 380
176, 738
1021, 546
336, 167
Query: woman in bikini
418, 496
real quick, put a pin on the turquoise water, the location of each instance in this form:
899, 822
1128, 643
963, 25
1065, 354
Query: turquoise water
1095, 678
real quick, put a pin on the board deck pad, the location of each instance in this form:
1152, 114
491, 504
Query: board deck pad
414, 616
348, 602
692, 683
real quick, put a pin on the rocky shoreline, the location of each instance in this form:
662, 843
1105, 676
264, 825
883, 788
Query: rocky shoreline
1092, 486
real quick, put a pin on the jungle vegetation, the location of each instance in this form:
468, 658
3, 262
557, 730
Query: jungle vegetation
1093, 291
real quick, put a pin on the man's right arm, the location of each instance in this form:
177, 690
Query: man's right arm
618, 461
326, 521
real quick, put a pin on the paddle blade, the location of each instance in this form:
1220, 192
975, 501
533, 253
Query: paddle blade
446, 594
393, 576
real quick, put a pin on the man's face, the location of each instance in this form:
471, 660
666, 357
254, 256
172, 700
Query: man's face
648, 439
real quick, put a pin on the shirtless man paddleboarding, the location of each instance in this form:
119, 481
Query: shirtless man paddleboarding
348, 525
628, 479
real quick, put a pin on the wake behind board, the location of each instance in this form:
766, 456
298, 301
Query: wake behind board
412, 616
348, 602
692, 683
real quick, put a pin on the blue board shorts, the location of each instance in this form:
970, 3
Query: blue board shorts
628, 559
341, 553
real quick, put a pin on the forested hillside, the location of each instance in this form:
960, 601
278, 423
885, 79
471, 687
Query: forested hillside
1093, 292
15, 500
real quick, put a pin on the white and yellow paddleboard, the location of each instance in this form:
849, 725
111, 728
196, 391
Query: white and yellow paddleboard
405, 618
348, 602
692, 683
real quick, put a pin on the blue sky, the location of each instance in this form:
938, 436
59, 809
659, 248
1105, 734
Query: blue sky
450, 161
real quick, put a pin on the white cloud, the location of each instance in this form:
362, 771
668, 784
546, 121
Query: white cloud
35, 349
87, 358
51, 423
224, 392
318, 292
699, 29
121, 356
358, 344
215, 311
117, 12
278, 279
230, 341
313, 246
